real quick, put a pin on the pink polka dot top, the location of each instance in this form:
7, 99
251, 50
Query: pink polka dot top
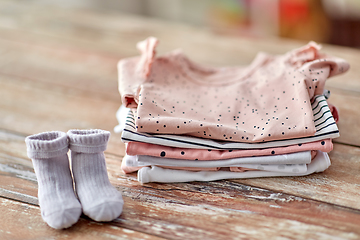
270, 99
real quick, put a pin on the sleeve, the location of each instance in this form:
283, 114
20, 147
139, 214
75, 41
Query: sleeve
147, 49
316, 67
132, 72
334, 112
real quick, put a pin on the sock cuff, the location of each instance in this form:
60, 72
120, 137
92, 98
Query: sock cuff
47, 145
88, 141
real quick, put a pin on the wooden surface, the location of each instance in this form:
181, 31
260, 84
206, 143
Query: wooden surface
58, 72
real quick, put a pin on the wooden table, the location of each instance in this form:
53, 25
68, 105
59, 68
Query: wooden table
58, 72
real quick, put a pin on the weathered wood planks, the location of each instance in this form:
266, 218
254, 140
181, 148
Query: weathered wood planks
337, 185
173, 211
37, 107
23, 221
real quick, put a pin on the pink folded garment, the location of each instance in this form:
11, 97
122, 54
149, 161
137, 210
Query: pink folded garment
265, 101
138, 148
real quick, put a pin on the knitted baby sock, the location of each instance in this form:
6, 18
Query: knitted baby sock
99, 199
48, 151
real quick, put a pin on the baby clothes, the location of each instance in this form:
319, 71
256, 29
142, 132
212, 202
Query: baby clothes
265, 101
287, 163
292, 158
138, 148
271, 162
157, 174
270, 118
134, 163
323, 120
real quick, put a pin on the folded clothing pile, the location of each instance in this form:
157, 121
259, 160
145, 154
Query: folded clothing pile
186, 122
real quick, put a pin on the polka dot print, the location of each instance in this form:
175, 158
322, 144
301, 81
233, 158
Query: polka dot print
138, 148
268, 100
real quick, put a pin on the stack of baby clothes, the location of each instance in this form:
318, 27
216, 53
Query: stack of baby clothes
186, 122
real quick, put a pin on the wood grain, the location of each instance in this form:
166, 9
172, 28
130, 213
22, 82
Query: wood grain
17, 214
62, 67
348, 104
338, 185
38, 107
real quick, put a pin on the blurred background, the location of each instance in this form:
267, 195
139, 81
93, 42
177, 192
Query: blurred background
325, 21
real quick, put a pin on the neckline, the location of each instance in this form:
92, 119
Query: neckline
189, 67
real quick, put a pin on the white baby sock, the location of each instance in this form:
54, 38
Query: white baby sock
99, 199
59, 206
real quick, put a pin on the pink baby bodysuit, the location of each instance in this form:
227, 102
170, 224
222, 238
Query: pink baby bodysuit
138, 148
267, 100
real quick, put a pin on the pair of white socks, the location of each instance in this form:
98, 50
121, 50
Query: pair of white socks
94, 195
